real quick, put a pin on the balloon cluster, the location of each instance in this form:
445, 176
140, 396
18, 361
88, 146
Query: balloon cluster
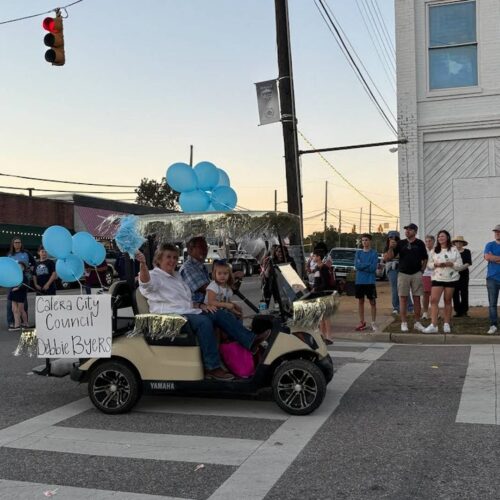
72, 251
10, 272
204, 188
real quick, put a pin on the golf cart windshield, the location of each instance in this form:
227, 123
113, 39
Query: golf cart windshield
290, 284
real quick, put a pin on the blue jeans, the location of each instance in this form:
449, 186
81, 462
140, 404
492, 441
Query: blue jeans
392, 274
203, 326
493, 291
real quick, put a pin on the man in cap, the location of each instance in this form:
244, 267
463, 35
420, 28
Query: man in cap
412, 261
492, 256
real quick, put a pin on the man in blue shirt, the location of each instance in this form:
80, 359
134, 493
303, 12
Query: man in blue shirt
365, 262
193, 271
492, 256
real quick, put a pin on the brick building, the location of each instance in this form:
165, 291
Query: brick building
448, 72
28, 217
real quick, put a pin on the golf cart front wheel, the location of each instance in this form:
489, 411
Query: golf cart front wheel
299, 386
113, 387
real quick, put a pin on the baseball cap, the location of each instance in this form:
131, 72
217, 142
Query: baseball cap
496, 228
412, 226
393, 234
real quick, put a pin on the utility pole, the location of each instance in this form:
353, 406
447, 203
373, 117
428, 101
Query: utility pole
275, 200
370, 219
287, 105
340, 224
360, 219
326, 210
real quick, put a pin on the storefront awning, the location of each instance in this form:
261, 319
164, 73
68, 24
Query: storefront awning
91, 220
31, 236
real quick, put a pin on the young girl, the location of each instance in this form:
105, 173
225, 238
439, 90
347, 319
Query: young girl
18, 296
219, 291
321, 284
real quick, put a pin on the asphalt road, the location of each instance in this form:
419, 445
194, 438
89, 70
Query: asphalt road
398, 422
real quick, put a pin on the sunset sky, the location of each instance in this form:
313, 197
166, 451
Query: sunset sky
145, 80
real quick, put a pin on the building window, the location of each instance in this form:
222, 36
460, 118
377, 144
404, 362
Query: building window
452, 45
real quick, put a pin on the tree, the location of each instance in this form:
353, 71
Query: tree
156, 194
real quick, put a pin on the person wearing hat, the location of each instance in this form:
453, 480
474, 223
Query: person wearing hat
412, 261
461, 293
492, 256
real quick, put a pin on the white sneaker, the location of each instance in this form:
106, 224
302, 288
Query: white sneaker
418, 326
395, 312
424, 316
374, 327
404, 327
493, 329
446, 328
430, 329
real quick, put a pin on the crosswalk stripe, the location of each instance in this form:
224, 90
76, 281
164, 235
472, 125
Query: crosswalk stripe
178, 448
480, 403
209, 406
20, 490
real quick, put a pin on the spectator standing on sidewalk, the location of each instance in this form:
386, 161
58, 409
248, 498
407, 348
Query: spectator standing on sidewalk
392, 272
45, 275
445, 261
461, 293
426, 277
365, 262
17, 252
492, 256
412, 261
322, 286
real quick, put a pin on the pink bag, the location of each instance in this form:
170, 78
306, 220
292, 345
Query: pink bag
239, 361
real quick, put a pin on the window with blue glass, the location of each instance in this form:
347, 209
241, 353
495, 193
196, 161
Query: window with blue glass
452, 45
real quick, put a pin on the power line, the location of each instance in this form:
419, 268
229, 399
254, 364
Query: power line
345, 50
347, 181
41, 13
66, 182
384, 26
63, 191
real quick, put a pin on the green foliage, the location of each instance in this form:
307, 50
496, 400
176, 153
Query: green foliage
156, 194
349, 240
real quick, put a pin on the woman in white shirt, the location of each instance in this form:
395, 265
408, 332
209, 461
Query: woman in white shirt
445, 262
166, 293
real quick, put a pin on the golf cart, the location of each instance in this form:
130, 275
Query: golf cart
295, 363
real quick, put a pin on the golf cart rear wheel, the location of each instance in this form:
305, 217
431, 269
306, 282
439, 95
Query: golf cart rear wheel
113, 387
299, 386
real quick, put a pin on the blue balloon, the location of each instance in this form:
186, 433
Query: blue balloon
83, 244
211, 208
11, 274
194, 201
223, 178
57, 241
181, 177
69, 269
97, 255
207, 174
224, 198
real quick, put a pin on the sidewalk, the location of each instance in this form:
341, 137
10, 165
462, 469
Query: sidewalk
346, 319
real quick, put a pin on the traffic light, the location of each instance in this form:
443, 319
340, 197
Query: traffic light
54, 39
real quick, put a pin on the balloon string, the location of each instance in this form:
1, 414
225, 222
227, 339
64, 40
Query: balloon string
99, 278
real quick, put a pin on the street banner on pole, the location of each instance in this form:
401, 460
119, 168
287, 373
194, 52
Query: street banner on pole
268, 101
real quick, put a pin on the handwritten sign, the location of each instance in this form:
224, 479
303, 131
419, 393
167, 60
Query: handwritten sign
73, 326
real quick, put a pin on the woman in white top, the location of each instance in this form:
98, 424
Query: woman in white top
427, 277
166, 293
445, 262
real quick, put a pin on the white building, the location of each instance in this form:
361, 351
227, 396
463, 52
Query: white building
448, 72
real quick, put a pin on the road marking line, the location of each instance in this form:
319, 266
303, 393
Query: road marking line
143, 445
258, 474
208, 406
43, 421
20, 490
479, 400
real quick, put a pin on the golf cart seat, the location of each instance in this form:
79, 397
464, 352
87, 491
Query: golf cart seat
185, 338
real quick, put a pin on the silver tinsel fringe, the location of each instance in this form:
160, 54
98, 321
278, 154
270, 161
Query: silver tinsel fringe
28, 344
309, 313
158, 326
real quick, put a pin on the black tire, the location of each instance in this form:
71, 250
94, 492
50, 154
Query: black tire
113, 387
299, 386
